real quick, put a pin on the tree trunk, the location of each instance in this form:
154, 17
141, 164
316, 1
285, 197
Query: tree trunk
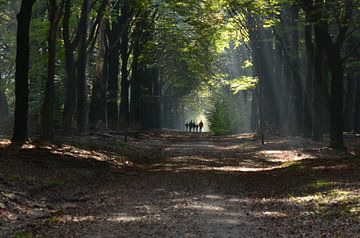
135, 84
297, 89
98, 96
308, 95
357, 106
156, 103
49, 100
22, 70
124, 91
349, 102
350, 87
113, 33
81, 118
336, 96
282, 87
70, 83
254, 112
318, 90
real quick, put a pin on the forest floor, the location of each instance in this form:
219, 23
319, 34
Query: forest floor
172, 184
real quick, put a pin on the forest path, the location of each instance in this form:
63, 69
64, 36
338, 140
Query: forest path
192, 185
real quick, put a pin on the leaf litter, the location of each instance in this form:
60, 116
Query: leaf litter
172, 184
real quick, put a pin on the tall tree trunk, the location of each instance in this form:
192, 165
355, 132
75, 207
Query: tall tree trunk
350, 87
156, 102
135, 90
113, 33
254, 112
70, 83
357, 106
81, 119
336, 97
98, 96
271, 102
297, 88
349, 102
318, 90
22, 70
124, 90
55, 13
308, 95
282, 93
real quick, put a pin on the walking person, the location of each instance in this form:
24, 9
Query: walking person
201, 125
190, 125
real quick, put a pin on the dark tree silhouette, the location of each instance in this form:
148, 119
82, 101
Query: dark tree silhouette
55, 13
21, 75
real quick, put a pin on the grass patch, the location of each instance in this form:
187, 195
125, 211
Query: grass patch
321, 184
338, 203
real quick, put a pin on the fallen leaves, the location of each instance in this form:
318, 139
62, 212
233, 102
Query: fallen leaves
173, 184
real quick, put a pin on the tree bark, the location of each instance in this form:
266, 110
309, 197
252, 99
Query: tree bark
70, 83
20, 134
124, 90
98, 96
55, 13
357, 107
297, 88
81, 119
113, 33
317, 102
349, 102
308, 95
336, 96
135, 90
254, 112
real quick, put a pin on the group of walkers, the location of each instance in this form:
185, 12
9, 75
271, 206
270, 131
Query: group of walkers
193, 126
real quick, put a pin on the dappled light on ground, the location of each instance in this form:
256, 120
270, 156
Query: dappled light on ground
179, 186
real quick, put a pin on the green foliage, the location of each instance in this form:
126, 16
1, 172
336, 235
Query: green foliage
184, 43
219, 118
8, 25
230, 113
243, 83
39, 30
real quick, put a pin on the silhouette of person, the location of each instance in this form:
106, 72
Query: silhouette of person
201, 125
196, 127
186, 126
190, 125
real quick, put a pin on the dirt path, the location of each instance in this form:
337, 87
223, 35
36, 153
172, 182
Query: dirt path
202, 186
